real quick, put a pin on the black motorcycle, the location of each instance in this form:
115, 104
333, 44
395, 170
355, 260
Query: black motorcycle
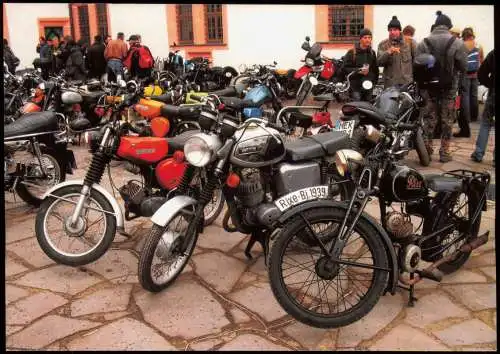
198, 71
330, 262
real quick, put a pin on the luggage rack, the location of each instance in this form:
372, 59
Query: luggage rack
485, 177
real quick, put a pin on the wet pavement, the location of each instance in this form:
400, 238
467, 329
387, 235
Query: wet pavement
223, 301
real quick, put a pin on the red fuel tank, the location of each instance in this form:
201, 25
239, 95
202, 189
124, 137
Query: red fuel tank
169, 173
143, 149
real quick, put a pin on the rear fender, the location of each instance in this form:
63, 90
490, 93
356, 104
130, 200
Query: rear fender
168, 210
378, 231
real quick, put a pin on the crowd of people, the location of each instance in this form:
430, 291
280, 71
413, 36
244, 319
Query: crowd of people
462, 70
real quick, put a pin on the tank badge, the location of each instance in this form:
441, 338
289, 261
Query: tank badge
414, 183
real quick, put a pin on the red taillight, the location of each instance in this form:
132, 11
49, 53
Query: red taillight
76, 108
348, 109
178, 156
233, 180
221, 106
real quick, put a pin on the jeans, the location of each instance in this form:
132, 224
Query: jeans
114, 68
469, 102
486, 124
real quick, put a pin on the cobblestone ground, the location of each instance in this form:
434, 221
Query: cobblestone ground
223, 301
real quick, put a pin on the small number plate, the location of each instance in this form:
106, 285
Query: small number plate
345, 126
301, 196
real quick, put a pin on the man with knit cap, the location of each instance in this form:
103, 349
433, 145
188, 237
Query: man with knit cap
395, 55
363, 57
451, 54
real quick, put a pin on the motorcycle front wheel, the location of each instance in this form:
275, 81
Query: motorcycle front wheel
80, 244
303, 92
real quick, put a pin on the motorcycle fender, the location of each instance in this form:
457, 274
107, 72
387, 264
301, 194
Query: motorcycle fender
302, 71
168, 210
377, 229
114, 204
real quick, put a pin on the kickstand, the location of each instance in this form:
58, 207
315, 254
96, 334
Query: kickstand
412, 298
256, 236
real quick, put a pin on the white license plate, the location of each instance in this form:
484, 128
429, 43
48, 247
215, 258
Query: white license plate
301, 196
345, 126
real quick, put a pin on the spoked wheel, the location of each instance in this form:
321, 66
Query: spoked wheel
161, 261
214, 207
78, 244
313, 288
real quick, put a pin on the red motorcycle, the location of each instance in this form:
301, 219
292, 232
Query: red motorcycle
75, 209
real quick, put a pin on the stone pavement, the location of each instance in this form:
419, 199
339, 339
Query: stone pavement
224, 302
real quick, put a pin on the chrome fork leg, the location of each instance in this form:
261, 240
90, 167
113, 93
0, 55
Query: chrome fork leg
38, 153
76, 213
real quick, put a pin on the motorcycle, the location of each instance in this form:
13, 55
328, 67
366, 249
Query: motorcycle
36, 140
164, 173
352, 258
259, 174
197, 71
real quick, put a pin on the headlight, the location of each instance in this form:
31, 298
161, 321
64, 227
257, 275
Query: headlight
344, 159
200, 149
41, 86
309, 61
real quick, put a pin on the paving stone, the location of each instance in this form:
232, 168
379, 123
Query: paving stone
475, 296
12, 329
432, 308
17, 230
28, 309
59, 278
485, 259
115, 265
463, 276
30, 251
13, 293
124, 334
205, 345
470, 332
12, 267
115, 315
387, 308
308, 336
260, 300
239, 316
47, 330
220, 271
106, 300
216, 238
176, 311
404, 337
490, 271
251, 342
259, 267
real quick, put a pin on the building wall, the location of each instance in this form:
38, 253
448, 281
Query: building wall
148, 20
23, 27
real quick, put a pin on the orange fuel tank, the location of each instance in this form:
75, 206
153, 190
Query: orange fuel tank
148, 109
143, 149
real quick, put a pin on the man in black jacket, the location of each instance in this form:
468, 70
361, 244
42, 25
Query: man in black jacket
75, 66
363, 57
9, 58
95, 58
486, 76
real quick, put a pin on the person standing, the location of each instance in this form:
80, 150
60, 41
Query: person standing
486, 76
46, 59
75, 66
95, 58
408, 34
139, 60
395, 56
451, 55
115, 52
8, 56
363, 57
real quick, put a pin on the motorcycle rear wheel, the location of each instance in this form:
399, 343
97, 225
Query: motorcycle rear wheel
423, 154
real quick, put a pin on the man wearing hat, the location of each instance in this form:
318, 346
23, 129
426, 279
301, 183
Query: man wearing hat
363, 57
115, 52
442, 44
394, 54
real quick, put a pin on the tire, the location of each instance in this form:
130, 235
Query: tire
303, 92
148, 253
367, 302
22, 189
423, 154
218, 209
98, 250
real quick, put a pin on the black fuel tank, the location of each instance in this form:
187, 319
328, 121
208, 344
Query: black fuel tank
404, 184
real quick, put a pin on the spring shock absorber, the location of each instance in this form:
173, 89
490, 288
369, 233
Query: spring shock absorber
186, 180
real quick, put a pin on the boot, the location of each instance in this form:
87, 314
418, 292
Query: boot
444, 156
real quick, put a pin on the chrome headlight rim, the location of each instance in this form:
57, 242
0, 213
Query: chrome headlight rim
200, 149
309, 61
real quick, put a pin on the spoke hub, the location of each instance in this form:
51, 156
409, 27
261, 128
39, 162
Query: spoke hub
78, 229
326, 268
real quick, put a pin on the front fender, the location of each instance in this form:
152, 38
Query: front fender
79, 182
168, 210
378, 231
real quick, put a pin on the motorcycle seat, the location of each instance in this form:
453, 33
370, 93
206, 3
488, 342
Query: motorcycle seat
439, 183
370, 110
237, 104
165, 98
324, 98
31, 123
316, 146
182, 112
228, 92
177, 142
92, 96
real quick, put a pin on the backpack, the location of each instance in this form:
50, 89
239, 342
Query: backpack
442, 70
473, 61
146, 60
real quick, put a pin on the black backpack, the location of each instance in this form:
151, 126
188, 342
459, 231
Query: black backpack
442, 70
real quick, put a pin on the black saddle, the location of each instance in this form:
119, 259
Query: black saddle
182, 112
228, 92
237, 104
320, 145
92, 96
370, 110
439, 183
177, 142
165, 98
31, 123
324, 98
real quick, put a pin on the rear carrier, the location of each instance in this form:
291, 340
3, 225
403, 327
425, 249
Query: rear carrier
475, 181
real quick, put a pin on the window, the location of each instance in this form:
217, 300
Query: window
102, 19
214, 28
345, 22
185, 23
83, 18
71, 21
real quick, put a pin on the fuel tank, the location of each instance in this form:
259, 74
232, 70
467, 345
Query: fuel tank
404, 184
148, 108
143, 150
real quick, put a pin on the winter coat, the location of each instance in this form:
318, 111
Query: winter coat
45, 53
10, 59
456, 56
486, 72
353, 62
75, 68
398, 67
95, 59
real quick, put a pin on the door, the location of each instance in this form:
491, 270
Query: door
50, 31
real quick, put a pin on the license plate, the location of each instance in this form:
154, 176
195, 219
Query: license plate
301, 196
345, 126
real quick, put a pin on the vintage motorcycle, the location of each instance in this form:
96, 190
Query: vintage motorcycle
329, 262
84, 210
256, 169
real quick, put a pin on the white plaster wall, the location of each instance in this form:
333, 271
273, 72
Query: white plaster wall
22, 19
260, 34
148, 20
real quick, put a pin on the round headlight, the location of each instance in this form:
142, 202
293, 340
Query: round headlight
343, 159
309, 61
200, 149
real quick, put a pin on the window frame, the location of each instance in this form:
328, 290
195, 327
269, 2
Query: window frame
332, 38
218, 18
180, 21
